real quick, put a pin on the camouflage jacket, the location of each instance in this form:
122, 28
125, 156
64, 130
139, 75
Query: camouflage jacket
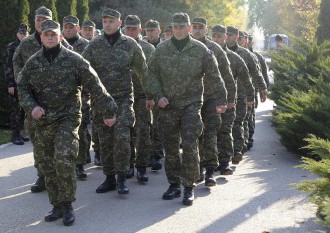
116, 64
27, 48
56, 87
241, 75
179, 76
224, 69
263, 66
79, 45
252, 64
147, 49
8, 64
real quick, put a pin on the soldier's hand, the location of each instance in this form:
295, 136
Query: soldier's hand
263, 95
110, 122
221, 108
250, 103
150, 104
11, 90
37, 113
231, 105
163, 102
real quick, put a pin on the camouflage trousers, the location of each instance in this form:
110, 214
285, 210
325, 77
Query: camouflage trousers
16, 114
208, 141
140, 135
30, 127
225, 136
187, 123
238, 127
56, 147
95, 137
252, 119
84, 143
115, 145
157, 146
249, 115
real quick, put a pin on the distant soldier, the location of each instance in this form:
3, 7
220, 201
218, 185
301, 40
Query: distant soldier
71, 28
245, 93
116, 57
180, 69
278, 41
142, 114
211, 119
49, 88
16, 112
88, 29
153, 31
168, 32
258, 81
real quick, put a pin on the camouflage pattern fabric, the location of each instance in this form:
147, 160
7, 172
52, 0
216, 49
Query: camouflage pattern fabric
56, 138
178, 76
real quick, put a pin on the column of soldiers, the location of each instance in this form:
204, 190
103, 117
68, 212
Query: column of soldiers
187, 97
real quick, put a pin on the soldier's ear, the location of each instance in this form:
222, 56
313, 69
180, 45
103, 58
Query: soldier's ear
120, 22
60, 37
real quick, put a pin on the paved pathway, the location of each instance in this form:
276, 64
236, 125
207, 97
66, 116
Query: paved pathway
257, 197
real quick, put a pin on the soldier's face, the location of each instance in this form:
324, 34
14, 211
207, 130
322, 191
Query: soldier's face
111, 25
51, 39
168, 34
21, 35
198, 30
88, 32
153, 34
70, 30
133, 32
37, 23
181, 31
220, 39
241, 41
231, 39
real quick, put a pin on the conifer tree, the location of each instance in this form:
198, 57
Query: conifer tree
82, 9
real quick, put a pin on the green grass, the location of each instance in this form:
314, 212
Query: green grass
5, 136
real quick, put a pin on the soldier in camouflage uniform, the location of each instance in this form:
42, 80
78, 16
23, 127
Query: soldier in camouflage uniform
87, 29
264, 71
212, 120
175, 80
16, 112
71, 29
168, 32
244, 111
153, 31
49, 88
142, 115
244, 88
115, 57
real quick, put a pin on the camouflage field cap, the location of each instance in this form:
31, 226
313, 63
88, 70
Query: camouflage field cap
180, 19
44, 12
151, 24
132, 21
199, 20
88, 23
50, 25
111, 13
23, 28
231, 30
219, 29
70, 19
168, 28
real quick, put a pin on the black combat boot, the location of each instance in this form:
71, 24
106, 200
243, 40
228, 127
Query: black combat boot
24, 138
141, 174
68, 214
209, 178
108, 185
237, 158
130, 172
121, 185
80, 172
201, 174
172, 192
156, 165
188, 196
97, 158
39, 185
56, 213
16, 139
225, 169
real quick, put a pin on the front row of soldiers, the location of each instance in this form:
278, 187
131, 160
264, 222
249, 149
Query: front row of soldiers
188, 83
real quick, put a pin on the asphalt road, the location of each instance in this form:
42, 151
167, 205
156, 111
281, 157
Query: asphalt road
258, 197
